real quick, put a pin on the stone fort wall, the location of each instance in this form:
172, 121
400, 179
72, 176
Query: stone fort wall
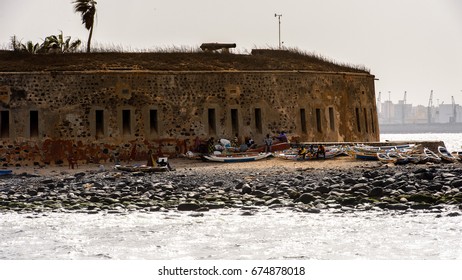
90, 116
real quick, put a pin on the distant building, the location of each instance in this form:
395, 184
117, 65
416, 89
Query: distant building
402, 113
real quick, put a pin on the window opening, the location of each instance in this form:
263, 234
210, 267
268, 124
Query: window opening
318, 120
372, 122
5, 124
331, 119
126, 122
33, 124
153, 122
365, 120
358, 120
212, 121
99, 120
303, 120
234, 121
258, 120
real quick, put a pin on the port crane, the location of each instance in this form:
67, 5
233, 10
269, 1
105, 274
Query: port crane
403, 108
430, 106
454, 111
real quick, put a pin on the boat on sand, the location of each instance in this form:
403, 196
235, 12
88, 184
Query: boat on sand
445, 155
237, 157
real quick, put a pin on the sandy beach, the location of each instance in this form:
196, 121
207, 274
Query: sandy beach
339, 163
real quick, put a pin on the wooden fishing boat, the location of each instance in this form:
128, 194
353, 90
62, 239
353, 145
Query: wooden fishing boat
362, 154
385, 158
399, 158
457, 155
141, 168
431, 156
416, 158
292, 154
281, 146
237, 157
445, 155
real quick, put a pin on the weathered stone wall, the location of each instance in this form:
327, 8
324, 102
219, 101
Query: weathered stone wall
48, 117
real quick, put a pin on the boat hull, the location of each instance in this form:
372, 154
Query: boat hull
237, 157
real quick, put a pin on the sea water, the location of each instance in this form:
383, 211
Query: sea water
452, 141
227, 234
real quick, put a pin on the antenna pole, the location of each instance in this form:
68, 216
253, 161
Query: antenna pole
279, 20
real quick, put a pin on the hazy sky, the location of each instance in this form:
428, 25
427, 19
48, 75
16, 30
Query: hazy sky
409, 45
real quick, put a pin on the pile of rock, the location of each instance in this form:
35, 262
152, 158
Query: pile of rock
432, 188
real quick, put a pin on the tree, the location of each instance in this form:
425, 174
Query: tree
87, 8
60, 44
30, 47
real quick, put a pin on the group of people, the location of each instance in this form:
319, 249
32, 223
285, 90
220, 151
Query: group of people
237, 146
319, 152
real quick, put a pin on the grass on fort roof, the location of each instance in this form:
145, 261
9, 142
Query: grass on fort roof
176, 58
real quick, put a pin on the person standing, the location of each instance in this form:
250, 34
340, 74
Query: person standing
150, 161
268, 143
211, 145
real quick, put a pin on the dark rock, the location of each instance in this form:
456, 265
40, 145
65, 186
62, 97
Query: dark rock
457, 183
239, 185
215, 205
312, 210
359, 187
435, 187
323, 189
382, 204
453, 214
350, 181
188, 206
293, 194
273, 201
32, 192
246, 189
259, 193
423, 197
306, 198
397, 206
349, 201
371, 174
218, 183
248, 213
409, 188
420, 206
378, 183
196, 214
425, 176
376, 192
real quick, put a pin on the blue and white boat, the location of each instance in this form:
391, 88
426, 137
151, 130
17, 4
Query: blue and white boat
5, 172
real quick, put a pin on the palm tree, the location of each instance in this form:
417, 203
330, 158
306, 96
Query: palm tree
61, 44
30, 47
88, 10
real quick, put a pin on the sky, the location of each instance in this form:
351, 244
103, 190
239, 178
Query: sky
412, 46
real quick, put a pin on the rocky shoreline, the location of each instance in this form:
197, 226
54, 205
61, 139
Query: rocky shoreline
434, 188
